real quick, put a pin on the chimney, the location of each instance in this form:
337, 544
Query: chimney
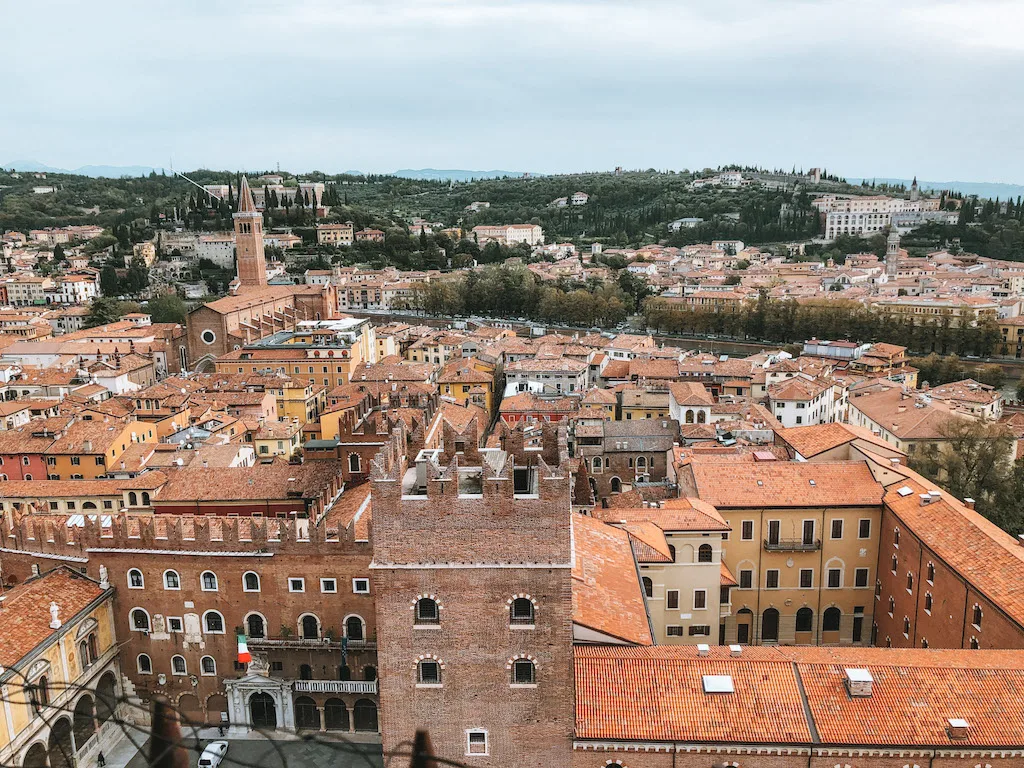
858, 682
735, 650
969, 502
35, 569
926, 499
958, 728
87, 446
703, 649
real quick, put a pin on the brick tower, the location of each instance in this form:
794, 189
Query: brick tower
472, 561
252, 265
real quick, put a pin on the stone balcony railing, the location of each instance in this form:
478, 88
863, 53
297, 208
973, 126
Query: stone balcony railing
304, 643
334, 686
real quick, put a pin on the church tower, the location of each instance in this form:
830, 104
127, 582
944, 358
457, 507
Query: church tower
892, 253
252, 265
915, 191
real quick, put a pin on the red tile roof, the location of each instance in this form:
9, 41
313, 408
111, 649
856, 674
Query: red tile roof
786, 484
606, 592
25, 616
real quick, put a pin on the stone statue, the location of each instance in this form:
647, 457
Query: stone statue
104, 580
54, 616
260, 665
159, 624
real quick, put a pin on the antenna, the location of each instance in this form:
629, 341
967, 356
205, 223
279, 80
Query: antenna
195, 184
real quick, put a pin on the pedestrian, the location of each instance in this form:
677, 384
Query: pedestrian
220, 730
101, 760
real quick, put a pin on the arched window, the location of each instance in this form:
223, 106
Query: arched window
906, 625
133, 499
427, 611
596, 463
92, 647
135, 579
354, 628
140, 620
648, 586
931, 572
896, 536
977, 616
689, 417
895, 563
251, 582
144, 664
172, 580
701, 417
428, 672
975, 645
305, 672
672, 552
42, 691
892, 605
704, 553
255, 626
830, 619
354, 462
209, 581
369, 673
213, 622
641, 464
208, 666
524, 672
310, 626
145, 498
928, 601
805, 620
521, 611
910, 582
616, 485
178, 666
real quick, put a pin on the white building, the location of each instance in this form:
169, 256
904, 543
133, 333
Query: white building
218, 248
802, 400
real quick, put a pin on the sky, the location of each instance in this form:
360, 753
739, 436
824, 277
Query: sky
865, 88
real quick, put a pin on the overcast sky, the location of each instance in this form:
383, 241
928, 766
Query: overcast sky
864, 88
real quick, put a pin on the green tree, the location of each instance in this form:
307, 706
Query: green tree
110, 283
168, 308
108, 310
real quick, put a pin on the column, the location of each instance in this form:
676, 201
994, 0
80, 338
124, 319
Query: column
351, 718
323, 720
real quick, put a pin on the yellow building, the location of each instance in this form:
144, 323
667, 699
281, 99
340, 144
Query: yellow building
468, 380
277, 438
89, 449
299, 398
803, 547
60, 678
644, 403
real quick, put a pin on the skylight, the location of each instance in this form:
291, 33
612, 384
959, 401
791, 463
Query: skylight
718, 684
906, 490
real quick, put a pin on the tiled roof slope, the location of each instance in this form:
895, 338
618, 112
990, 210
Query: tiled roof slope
656, 694
786, 484
606, 592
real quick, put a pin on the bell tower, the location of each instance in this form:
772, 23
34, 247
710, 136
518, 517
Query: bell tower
252, 265
892, 253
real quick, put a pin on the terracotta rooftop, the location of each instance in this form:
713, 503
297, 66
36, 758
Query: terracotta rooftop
264, 481
670, 515
786, 484
815, 439
25, 617
606, 592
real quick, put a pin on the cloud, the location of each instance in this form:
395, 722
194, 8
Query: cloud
865, 88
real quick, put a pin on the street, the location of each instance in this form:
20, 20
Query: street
324, 752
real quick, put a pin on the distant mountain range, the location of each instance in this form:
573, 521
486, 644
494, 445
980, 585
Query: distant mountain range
432, 174
95, 171
991, 190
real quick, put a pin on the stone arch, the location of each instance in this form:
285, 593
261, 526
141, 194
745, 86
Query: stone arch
306, 716
262, 711
701, 417
106, 697
616, 485
216, 704
336, 715
190, 710
35, 756
309, 626
364, 715
60, 745
770, 626
355, 627
84, 725
255, 625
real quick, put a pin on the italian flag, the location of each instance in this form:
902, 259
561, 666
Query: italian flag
244, 657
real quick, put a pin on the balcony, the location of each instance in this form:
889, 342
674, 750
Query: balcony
334, 686
792, 545
302, 643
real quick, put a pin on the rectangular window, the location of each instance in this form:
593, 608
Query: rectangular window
277, 666
860, 577
76, 461
700, 599
699, 630
328, 585
99, 461
476, 743
746, 579
174, 624
361, 586
673, 631
835, 578
296, 585
806, 578
774, 531
771, 578
747, 533
54, 505
864, 528
837, 528
672, 599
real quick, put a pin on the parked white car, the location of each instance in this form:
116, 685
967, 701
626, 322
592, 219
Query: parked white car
213, 755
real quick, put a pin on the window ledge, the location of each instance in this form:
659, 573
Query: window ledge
426, 626
522, 626
429, 685
522, 685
